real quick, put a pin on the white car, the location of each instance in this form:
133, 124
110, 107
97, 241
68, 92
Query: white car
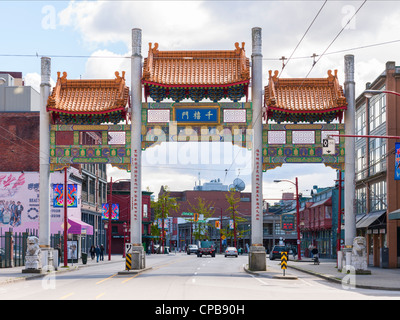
231, 251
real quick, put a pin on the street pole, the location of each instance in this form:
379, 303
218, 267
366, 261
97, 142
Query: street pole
298, 221
220, 234
339, 228
110, 220
138, 256
65, 217
349, 180
44, 155
257, 255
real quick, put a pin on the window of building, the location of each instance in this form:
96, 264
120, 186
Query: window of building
378, 196
377, 155
361, 121
361, 163
361, 200
377, 110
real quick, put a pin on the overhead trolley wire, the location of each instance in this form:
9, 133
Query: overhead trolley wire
304, 35
334, 39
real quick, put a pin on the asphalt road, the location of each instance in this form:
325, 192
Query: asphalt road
182, 277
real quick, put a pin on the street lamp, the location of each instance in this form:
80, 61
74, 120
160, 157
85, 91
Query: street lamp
297, 214
369, 93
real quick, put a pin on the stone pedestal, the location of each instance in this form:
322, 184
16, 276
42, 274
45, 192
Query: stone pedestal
257, 259
138, 258
33, 257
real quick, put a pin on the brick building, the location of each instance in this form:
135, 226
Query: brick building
377, 191
121, 195
19, 143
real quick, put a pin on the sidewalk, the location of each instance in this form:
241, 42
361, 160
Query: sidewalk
10, 275
379, 279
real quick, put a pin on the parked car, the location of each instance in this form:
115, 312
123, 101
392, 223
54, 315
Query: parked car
192, 248
231, 251
276, 252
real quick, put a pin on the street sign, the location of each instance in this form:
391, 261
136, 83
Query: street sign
284, 261
328, 146
128, 248
287, 222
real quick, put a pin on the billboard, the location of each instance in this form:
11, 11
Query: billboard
19, 201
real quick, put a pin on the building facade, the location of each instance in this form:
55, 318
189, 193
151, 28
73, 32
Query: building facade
377, 192
120, 228
19, 128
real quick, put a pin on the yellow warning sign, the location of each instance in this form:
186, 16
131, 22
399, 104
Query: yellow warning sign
284, 260
128, 261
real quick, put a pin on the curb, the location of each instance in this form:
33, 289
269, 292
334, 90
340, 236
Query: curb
42, 274
272, 276
340, 281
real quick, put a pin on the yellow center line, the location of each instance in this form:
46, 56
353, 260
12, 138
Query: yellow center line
100, 295
67, 296
155, 268
126, 280
106, 279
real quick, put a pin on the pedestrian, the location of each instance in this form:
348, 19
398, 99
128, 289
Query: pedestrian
102, 253
92, 252
59, 253
97, 250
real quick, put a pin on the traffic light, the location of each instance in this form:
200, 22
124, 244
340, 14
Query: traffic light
217, 224
195, 217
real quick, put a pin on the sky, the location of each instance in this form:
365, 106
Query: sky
92, 39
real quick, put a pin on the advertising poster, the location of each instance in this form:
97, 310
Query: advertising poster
397, 162
72, 195
105, 209
19, 201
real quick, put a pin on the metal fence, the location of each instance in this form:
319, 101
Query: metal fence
13, 246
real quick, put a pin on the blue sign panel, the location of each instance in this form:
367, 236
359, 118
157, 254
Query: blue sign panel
193, 116
397, 162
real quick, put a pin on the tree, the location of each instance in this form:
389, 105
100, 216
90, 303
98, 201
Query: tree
203, 209
162, 207
233, 201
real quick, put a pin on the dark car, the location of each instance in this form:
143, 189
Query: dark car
276, 252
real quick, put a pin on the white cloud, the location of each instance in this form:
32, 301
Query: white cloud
34, 80
105, 68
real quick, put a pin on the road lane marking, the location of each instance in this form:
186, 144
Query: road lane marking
101, 281
126, 280
67, 296
259, 280
100, 295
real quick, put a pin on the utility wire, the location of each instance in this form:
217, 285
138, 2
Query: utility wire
308, 29
337, 36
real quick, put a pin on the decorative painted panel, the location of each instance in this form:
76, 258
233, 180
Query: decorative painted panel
103, 144
226, 121
301, 143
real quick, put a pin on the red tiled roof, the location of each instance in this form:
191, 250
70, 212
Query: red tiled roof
316, 95
196, 68
89, 96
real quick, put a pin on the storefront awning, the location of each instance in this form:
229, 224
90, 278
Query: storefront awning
79, 227
394, 215
369, 219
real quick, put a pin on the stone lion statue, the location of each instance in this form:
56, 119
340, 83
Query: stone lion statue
33, 254
359, 253
33, 246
